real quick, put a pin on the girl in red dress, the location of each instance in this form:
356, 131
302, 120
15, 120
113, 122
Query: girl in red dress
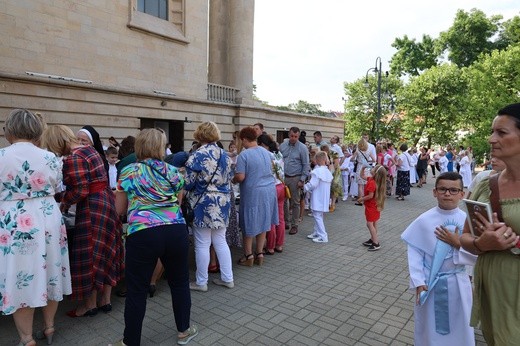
374, 200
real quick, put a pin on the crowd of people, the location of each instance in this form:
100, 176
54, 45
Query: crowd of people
131, 202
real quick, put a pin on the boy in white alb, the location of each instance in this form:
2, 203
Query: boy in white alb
437, 269
111, 156
319, 185
346, 168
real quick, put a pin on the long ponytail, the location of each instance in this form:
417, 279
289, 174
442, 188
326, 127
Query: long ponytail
380, 179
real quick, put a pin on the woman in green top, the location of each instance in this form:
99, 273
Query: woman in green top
496, 301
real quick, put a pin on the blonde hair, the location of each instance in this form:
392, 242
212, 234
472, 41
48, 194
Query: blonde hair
150, 143
362, 144
380, 179
321, 156
207, 132
58, 139
23, 124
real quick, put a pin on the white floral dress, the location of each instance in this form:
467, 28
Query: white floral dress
34, 260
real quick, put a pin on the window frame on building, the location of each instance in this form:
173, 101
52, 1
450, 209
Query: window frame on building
171, 27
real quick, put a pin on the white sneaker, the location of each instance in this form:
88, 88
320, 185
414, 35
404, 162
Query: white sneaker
344, 199
312, 236
195, 287
319, 240
219, 282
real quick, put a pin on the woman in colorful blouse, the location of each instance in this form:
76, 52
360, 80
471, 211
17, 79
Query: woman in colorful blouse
96, 249
147, 192
34, 261
208, 177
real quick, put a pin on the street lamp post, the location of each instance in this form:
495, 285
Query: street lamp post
377, 70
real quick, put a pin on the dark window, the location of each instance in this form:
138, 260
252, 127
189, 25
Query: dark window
157, 8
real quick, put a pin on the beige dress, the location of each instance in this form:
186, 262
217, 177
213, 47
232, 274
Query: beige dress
496, 301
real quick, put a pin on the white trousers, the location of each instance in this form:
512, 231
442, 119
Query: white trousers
204, 237
346, 180
319, 226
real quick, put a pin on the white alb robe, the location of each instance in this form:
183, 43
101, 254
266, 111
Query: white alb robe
421, 241
465, 171
319, 185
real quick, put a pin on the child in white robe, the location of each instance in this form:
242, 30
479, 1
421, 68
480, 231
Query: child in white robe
319, 185
346, 168
437, 269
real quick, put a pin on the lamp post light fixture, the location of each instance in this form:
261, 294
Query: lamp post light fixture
377, 70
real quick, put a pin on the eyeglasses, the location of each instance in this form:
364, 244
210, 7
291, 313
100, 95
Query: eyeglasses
452, 190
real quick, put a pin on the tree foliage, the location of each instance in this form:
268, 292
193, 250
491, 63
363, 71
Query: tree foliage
433, 103
361, 107
303, 107
470, 35
509, 33
413, 57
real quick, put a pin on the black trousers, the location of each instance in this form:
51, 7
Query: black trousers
169, 243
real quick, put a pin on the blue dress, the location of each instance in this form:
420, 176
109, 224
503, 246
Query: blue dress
449, 156
258, 204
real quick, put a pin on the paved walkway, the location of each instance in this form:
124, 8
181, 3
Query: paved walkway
311, 294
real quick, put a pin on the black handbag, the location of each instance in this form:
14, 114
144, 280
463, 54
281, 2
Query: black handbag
187, 211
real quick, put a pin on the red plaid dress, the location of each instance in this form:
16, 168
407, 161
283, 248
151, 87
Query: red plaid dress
96, 251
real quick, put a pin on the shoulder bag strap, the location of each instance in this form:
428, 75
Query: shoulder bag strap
494, 197
210, 179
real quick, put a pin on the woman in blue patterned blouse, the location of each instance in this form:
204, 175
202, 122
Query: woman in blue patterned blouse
208, 177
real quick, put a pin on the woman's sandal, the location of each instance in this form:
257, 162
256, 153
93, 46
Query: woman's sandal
26, 343
41, 334
247, 260
259, 260
278, 249
269, 252
215, 268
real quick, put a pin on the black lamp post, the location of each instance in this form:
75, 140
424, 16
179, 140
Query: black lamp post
377, 70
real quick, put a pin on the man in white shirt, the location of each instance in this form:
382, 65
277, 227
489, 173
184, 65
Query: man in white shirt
334, 145
371, 147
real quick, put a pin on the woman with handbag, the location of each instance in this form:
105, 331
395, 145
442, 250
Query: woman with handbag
208, 177
276, 237
147, 191
364, 160
496, 298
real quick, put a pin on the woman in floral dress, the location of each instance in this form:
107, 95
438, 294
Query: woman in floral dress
34, 261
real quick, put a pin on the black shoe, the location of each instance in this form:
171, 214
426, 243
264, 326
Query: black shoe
369, 242
374, 247
106, 308
152, 290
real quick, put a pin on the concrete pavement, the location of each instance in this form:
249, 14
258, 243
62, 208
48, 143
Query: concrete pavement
311, 294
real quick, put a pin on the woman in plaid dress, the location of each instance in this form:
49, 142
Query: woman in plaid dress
96, 250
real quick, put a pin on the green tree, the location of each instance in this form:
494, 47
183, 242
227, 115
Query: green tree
413, 57
509, 33
470, 35
433, 103
303, 107
361, 108
493, 82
